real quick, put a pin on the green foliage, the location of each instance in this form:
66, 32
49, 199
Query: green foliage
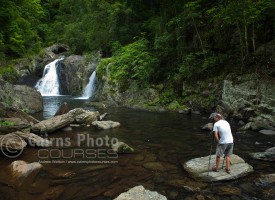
167, 96
6, 123
196, 64
7, 73
102, 67
133, 62
19, 21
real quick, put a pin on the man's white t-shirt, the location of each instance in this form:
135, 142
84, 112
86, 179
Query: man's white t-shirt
224, 131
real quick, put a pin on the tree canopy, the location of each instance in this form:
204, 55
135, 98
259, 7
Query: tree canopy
188, 38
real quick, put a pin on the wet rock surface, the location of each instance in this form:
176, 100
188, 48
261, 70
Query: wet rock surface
198, 168
19, 173
121, 147
139, 192
267, 155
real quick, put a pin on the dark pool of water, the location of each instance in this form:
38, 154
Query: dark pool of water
168, 138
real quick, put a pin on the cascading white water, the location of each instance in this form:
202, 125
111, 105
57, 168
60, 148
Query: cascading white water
48, 85
90, 87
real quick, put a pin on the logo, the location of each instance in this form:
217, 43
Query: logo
12, 145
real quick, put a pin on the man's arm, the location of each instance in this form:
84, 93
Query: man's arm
216, 135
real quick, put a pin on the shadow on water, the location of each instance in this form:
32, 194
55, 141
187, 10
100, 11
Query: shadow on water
162, 140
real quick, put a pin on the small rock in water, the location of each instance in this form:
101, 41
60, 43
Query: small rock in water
267, 132
105, 124
140, 193
121, 147
267, 155
266, 180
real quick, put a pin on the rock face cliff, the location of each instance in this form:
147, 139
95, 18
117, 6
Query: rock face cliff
250, 98
134, 96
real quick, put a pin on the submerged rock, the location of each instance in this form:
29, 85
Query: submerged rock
267, 155
11, 143
198, 168
140, 193
121, 147
105, 124
267, 132
19, 173
63, 109
159, 166
266, 180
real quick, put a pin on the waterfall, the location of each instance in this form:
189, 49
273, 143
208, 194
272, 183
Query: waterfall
48, 85
90, 87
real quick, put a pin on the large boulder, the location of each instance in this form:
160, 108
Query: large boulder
71, 72
32, 99
198, 168
21, 97
11, 112
140, 193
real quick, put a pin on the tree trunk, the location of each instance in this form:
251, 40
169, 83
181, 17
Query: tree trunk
253, 38
241, 46
245, 35
199, 38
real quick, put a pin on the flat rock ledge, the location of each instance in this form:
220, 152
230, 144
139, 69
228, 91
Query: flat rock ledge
198, 168
140, 193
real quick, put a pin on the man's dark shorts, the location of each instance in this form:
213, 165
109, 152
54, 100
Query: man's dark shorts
224, 149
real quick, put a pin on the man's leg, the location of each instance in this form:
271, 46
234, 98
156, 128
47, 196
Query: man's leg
228, 152
227, 162
218, 158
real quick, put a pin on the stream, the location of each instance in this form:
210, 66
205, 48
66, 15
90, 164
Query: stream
157, 137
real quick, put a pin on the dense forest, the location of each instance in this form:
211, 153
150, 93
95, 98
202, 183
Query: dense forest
148, 41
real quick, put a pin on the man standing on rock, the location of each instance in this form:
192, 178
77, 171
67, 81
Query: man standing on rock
224, 138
